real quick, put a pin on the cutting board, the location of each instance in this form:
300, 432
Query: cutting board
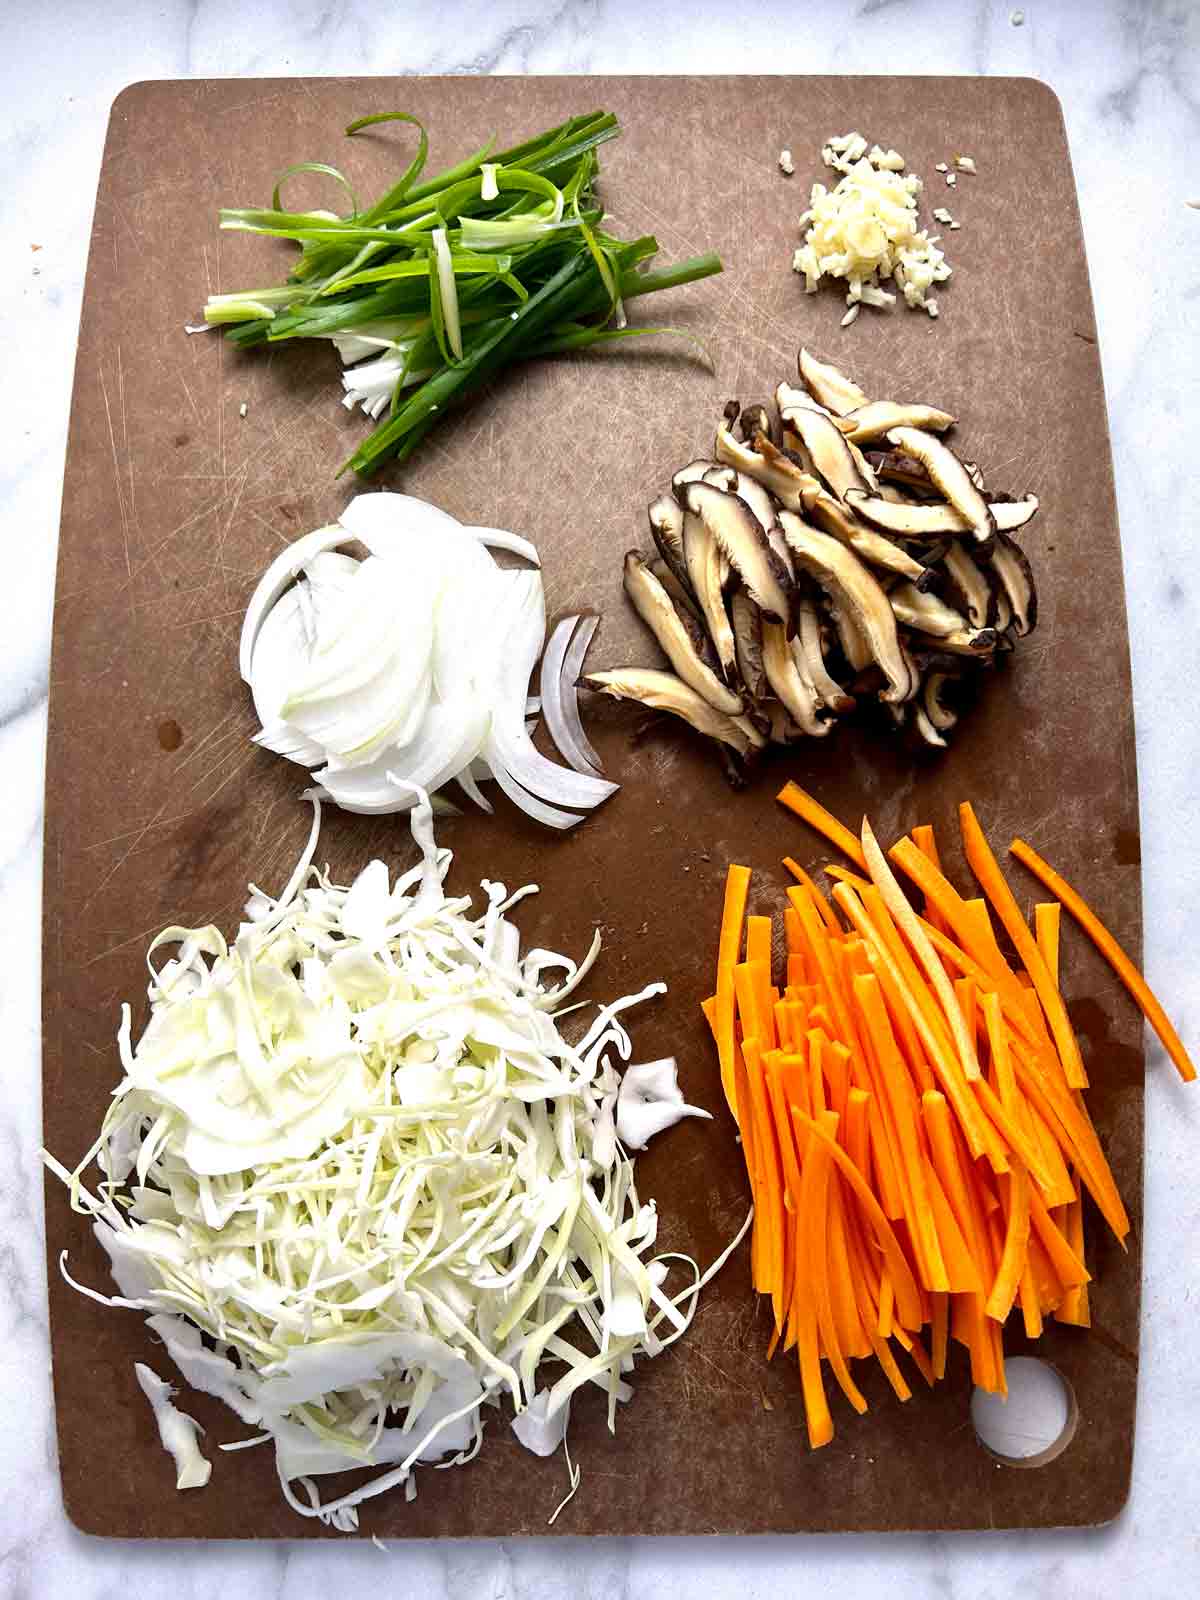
159, 808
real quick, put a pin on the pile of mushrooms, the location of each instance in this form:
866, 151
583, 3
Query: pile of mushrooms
835, 550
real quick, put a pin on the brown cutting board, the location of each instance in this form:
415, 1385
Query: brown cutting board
159, 808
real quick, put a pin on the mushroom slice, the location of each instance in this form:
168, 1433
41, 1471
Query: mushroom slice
681, 597
845, 578
739, 535
828, 386
924, 612
694, 471
969, 642
760, 502
1011, 566
870, 422
970, 583
893, 466
747, 637
666, 526
788, 398
826, 444
782, 728
925, 727
702, 555
854, 645
975, 472
1002, 615
663, 691
795, 693
939, 713
653, 604
833, 517
756, 418
930, 520
775, 472
948, 474
808, 641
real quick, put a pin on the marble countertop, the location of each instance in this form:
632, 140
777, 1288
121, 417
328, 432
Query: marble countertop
1129, 79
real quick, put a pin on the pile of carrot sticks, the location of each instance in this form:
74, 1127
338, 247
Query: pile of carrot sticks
910, 1107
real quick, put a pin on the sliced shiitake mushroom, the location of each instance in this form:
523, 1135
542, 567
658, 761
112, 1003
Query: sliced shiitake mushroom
786, 481
969, 584
763, 506
832, 456
893, 466
663, 691
703, 557
833, 517
926, 728
1011, 566
681, 598
757, 418
870, 422
978, 642
942, 716
975, 473
924, 612
948, 474
829, 386
747, 637
666, 527
741, 537
653, 604
844, 577
694, 471
808, 641
930, 520
795, 693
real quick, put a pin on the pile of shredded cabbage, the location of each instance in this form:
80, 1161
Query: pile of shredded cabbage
364, 1186
865, 230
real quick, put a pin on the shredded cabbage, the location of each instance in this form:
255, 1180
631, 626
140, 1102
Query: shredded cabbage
363, 1185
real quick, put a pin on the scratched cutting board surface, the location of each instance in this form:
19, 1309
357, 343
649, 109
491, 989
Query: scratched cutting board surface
159, 808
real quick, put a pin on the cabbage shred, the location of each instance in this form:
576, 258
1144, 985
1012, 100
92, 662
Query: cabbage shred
365, 1186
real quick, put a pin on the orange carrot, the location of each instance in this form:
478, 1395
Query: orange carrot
1016, 1242
1047, 918
758, 939
991, 880
941, 1324
828, 916
814, 813
1112, 953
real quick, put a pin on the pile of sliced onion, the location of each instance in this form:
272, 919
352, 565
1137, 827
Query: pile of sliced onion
410, 669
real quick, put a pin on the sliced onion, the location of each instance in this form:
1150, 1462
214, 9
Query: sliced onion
411, 669
572, 671
501, 539
560, 702
284, 570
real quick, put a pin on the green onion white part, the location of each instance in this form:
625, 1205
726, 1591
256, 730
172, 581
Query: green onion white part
367, 1189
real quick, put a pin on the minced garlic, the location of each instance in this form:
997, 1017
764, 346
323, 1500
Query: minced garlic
865, 229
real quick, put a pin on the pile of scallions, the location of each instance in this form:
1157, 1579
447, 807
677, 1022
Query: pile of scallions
365, 1187
440, 284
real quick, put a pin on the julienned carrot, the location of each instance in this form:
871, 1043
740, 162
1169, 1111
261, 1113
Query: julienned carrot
991, 880
1112, 953
891, 1189
733, 912
814, 813
1047, 919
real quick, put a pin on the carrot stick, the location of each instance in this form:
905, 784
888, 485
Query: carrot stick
1047, 918
1075, 1308
962, 1273
818, 1222
1067, 1121
816, 1407
792, 933
1031, 1311
967, 994
896, 1088
1016, 1243
733, 911
908, 1300
946, 1068
846, 1319
1067, 1265
758, 939
906, 919
770, 1179
923, 839
1112, 953
991, 880
816, 1078
854, 1128
828, 915
941, 1325
887, 1301
814, 813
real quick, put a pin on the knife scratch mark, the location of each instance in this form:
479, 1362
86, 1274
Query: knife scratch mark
112, 441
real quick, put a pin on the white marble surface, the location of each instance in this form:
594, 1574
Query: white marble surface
1129, 79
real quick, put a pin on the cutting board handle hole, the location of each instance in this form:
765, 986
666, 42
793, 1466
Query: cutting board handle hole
1035, 1424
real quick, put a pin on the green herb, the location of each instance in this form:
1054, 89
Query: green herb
439, 285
